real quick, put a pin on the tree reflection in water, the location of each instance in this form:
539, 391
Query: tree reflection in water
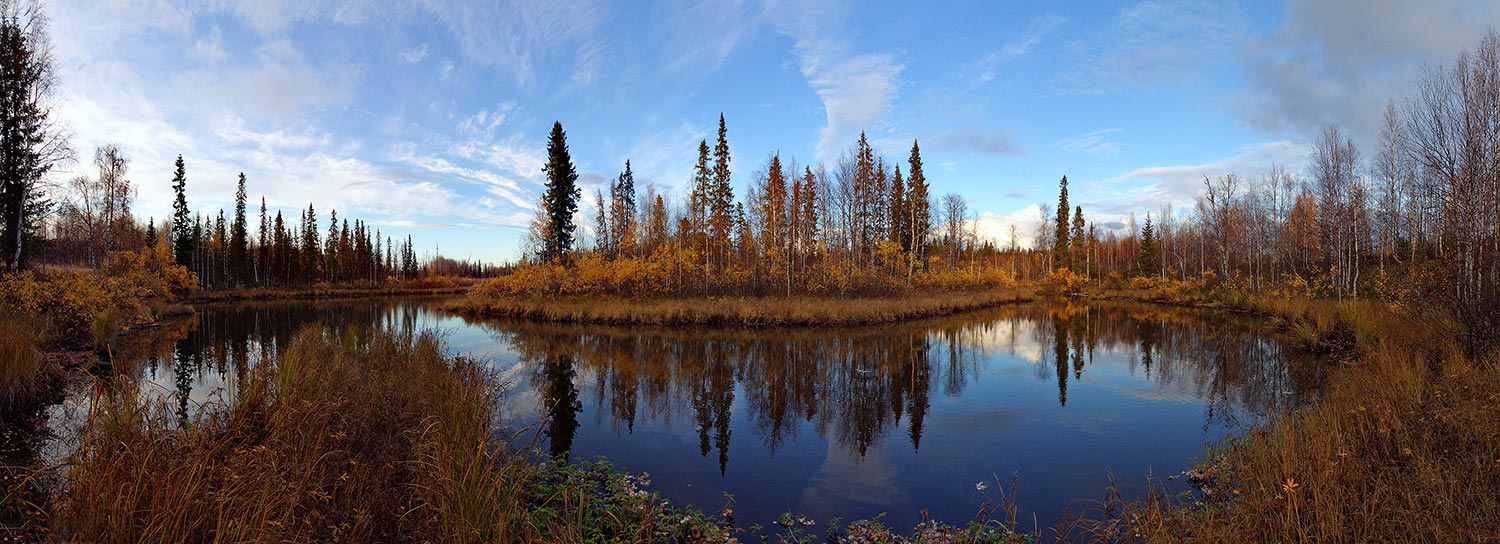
849, 386
854, 385
853, 421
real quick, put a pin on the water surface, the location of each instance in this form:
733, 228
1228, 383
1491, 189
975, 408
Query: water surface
846, 423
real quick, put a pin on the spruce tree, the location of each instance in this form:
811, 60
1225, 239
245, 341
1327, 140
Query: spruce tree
1060, 242
1145, 262
622, 211
31, 144
239, 238
721, 200
221, 272
917, 201
310, 251
560, 199
182, 225
262, 253
1078, 244
899, 225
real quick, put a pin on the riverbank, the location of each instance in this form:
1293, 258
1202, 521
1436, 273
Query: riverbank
739, 311
325, 292
1401, 446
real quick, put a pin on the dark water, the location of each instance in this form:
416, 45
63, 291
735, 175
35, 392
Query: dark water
846, 423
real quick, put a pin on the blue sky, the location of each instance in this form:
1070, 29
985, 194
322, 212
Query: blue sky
430, 117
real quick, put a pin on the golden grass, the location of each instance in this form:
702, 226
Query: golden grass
1402, 446
26, 377
739, 311
325, 291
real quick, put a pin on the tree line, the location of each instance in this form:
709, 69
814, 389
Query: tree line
85, 219
94, 219
1417, 221
866, 224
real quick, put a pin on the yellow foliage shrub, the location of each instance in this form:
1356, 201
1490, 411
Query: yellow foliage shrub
70, 305
1067, 281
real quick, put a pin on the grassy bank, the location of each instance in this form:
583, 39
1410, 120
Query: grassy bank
27, 377
325, 292
741, 312
46, 312
1402, 445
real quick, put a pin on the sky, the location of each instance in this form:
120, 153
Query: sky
430, 117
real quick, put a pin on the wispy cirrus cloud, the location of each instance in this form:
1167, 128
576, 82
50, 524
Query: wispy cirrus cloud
988, 66
1095, 143
856, 89
1157, 43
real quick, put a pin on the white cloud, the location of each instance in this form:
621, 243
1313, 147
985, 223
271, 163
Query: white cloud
514, 154
484, 123
698, 36
1095, 143
1148, 187
210, 48
1329, 62
1159, 43
996, 226
413, 56
1040, 26
275, 90
856, 89
517, 35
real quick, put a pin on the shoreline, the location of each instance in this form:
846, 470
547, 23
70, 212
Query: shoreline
747, 312
330, 293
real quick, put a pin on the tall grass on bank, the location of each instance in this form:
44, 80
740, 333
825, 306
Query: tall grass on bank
1402, 446
324, 291
25, 376
348, 437
740, 312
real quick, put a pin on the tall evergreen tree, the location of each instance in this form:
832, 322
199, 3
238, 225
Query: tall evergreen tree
1060, 241
773, 211
182, 224
560, 200
331, 248
310, 251
721, 200
919, 204
262, 252
195, 241
622, 211
698, 202
281, 251
1145, 262
1078, 244
221, 271
899, 224
239, 238
31, 144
